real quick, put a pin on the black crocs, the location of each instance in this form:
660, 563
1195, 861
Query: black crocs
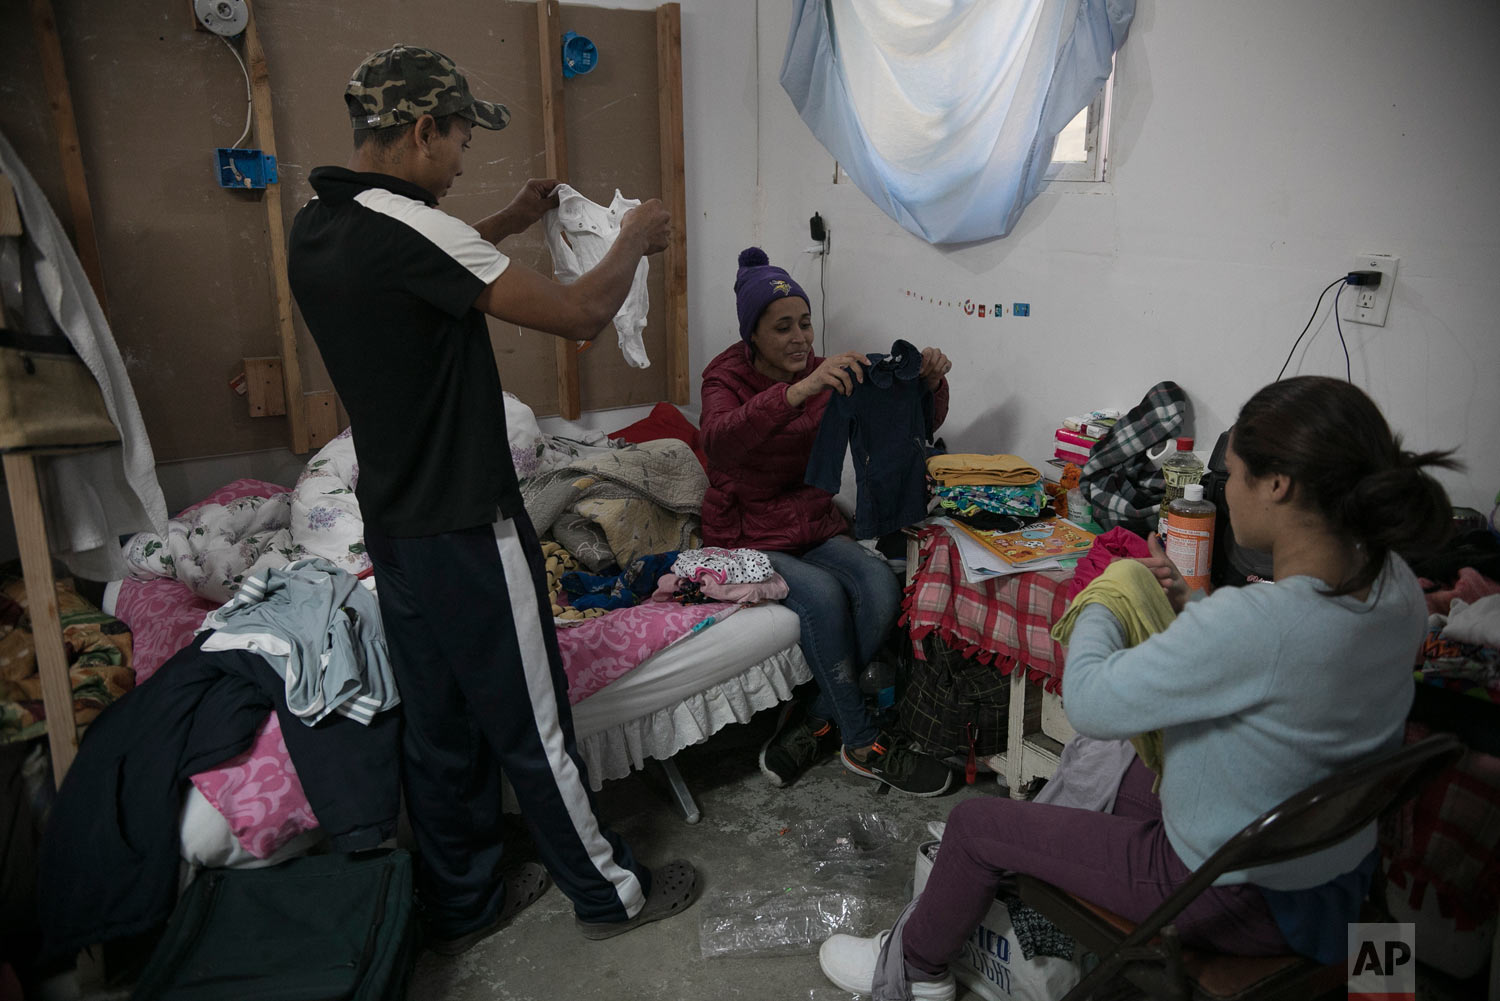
523, 885
674, 887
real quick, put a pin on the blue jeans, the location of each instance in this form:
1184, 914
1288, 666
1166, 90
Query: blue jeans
847, 599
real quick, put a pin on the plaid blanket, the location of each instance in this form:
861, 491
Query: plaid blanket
1119, 482
1006, 621
1448, 838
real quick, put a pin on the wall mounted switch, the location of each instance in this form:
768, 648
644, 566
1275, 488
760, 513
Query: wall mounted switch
1361, 304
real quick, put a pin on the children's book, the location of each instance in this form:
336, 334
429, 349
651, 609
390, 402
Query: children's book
1041, 541
1077, 438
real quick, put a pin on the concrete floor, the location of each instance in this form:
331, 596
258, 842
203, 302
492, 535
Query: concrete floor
738, 845
752, 837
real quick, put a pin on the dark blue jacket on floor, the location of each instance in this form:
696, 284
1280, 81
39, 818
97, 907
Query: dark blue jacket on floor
109, 860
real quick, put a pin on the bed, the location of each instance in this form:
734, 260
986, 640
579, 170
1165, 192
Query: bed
644, 682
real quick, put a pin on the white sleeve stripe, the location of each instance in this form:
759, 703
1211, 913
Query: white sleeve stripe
453, 237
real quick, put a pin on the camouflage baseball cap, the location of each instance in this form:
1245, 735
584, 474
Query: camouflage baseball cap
403, 83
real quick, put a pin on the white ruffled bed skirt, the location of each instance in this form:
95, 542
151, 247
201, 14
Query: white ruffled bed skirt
690, 691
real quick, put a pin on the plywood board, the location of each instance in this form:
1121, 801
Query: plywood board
612, 143
187, 262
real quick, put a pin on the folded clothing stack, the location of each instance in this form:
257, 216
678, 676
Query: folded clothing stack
971, 486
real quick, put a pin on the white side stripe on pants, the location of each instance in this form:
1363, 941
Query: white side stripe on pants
538, 673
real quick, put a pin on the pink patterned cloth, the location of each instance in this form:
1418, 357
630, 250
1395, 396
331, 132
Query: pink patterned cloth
258, 792
598, 651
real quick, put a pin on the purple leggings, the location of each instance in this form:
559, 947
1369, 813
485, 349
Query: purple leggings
1120, 861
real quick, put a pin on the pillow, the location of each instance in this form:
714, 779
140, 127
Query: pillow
525, 438
664, 421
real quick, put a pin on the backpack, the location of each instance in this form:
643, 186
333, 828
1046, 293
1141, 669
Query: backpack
954, 704
318, 928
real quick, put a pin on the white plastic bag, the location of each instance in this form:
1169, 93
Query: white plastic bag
991, 964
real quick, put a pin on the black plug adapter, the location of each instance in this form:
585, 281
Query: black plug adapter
817, 229
1369, 279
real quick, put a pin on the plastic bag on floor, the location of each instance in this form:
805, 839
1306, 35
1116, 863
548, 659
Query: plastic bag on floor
782, 922
854, 845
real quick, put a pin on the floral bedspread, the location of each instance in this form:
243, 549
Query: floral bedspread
214, 545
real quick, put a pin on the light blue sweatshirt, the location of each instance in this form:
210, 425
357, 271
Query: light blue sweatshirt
1260, 691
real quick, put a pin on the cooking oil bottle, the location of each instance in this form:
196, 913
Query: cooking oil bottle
1190, 535
1181, 468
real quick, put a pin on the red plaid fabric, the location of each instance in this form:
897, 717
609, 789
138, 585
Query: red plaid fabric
1448, 839
1004, 621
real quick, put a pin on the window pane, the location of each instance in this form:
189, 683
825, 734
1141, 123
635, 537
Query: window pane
1071, 146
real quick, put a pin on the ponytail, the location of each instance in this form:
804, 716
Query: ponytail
1331, 440
1398, 508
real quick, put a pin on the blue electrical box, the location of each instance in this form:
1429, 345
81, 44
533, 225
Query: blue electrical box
244, 168
579, 55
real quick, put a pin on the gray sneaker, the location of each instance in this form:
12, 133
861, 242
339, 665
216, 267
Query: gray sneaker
796, 743
894, 761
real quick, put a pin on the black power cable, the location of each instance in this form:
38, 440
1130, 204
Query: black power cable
1319, 303
1340, 328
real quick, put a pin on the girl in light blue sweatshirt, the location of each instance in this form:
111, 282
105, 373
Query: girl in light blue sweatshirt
1259, 692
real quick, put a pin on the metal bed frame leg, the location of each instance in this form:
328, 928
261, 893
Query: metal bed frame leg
680, 793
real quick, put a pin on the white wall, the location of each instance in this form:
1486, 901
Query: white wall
1257, 149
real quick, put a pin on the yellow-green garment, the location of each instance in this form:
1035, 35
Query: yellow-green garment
1132, 592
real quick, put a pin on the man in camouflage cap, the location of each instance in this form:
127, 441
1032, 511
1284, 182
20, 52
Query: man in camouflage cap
395, 292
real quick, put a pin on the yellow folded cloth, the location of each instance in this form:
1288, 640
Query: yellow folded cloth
1131, 591
967, 469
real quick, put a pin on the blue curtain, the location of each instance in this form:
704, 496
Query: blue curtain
944, 112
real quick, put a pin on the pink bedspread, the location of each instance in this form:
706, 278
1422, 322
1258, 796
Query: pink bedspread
598, 651
258, 792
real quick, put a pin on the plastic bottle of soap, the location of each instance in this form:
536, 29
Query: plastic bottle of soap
1190, 536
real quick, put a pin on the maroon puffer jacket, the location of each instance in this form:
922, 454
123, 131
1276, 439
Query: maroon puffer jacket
757, 447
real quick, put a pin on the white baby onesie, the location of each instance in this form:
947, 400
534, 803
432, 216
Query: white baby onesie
579, 234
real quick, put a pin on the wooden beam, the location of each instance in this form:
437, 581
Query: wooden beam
673, 194
41, 606
322, 417
265, 138
554, 131
60, 99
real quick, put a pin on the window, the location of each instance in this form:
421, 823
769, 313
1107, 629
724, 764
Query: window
1082, 149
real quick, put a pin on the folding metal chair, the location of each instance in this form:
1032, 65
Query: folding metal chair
1150, 956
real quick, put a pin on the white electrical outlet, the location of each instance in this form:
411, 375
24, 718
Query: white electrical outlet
1361, 304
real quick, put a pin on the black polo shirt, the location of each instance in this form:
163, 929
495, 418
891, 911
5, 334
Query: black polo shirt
387, 283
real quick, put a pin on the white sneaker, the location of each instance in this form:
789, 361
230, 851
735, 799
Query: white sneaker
849, 962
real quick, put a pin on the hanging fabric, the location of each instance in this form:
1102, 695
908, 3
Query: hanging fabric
945, 112
92, 498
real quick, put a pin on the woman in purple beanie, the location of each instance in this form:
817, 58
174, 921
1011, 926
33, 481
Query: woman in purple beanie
763, 400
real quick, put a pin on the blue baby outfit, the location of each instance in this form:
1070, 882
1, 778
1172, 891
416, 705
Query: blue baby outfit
886, 421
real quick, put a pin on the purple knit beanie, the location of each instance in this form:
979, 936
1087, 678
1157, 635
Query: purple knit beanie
758, 283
